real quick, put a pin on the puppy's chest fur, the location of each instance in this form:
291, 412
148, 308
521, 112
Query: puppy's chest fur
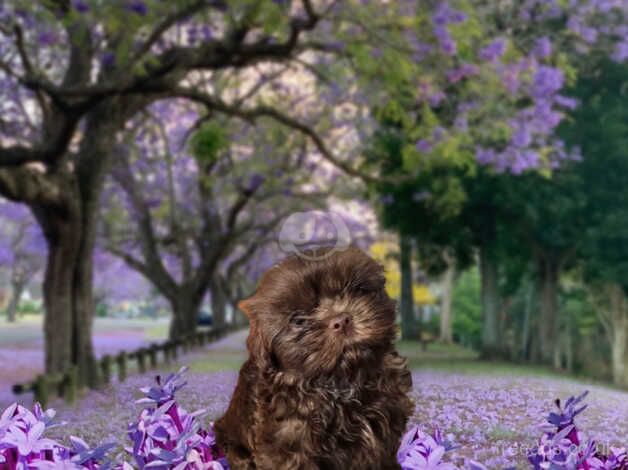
335, 419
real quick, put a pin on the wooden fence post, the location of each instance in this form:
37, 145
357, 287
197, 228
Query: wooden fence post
40, 389
166, 349
105, 365
141, 360
152, 355
121, 361
70, 387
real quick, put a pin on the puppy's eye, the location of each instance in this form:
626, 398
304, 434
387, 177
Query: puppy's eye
298, 320
362, 290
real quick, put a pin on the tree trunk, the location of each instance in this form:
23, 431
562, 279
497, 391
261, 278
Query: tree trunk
548, 308
62, 232
524, 353
185, 310
408, 323
505, 334
446, 317
70, 231
219, 304
619, 343
16, 296
490, 303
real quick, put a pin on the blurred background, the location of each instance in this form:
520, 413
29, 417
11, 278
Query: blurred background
157, 157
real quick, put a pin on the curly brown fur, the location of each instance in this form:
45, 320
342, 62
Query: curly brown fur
323, 387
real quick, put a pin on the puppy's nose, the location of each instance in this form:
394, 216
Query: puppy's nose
341, 323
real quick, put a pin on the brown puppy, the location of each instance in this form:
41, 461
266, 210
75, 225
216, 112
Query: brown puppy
323, 387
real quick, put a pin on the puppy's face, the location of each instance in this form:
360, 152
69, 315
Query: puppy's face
323, 317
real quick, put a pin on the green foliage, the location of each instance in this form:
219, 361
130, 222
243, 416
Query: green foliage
207, 142
102, 310
467, 309
29, 307
600, 128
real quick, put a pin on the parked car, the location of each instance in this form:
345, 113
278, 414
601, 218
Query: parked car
204, 318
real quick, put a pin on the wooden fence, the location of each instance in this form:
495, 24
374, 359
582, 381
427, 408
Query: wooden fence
67, 384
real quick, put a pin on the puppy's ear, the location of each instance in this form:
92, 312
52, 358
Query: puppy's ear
246, 306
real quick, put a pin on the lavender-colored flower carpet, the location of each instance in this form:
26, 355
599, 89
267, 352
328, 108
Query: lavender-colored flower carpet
492, 418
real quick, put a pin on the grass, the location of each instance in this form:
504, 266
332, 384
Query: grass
438, 356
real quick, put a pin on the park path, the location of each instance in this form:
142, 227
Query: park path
492, 412
22, 348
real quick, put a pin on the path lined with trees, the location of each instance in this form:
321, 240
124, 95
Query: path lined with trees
173, 138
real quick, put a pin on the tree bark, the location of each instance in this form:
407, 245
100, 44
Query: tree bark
490, 303
409, 328
62, 231
16, 296
446, 317
219, 304
619, 335
548, 308
70, 230
185, 308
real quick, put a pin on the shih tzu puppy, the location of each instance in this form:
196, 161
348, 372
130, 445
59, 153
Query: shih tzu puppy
324, 387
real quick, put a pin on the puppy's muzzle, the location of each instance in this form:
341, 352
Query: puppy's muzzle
341, 324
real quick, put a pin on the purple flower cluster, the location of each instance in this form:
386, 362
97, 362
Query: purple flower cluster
168, 437
563, 447
422, 451
165, 437
22, 445
444, 16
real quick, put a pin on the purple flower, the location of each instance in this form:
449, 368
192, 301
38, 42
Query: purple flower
421, 451
620, 54
108, 59
462, 72
138, 6
566, 102
543, 48
547, 81
80, 5
166, 435
494, 50
256, 181
47, 38
163, 392
424, 146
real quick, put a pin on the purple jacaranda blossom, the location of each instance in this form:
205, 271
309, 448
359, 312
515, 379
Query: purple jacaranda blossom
494, 50
620, 54
424, 146
543, 48
460, 73
47, 38
547, 81
81, 6
256, 181
107, 59
566, 102
137, 6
